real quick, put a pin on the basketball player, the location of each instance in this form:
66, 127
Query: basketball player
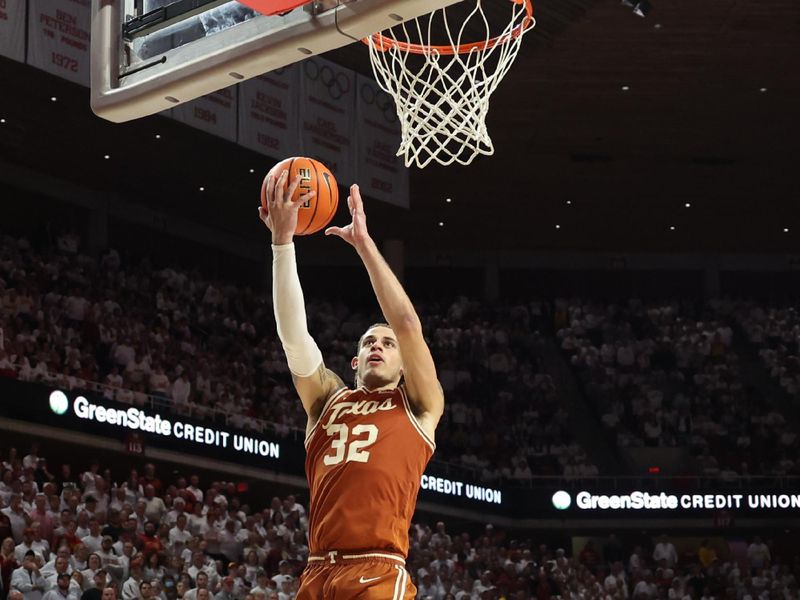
367, 448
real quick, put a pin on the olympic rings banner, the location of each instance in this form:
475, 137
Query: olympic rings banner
12, 29
327, 116
380, 172
268, 112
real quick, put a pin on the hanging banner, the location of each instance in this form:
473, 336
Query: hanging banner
327, 107
214, 113
268, 113
58, 38
379, 171
12, 29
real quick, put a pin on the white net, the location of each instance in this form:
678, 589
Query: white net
442, 92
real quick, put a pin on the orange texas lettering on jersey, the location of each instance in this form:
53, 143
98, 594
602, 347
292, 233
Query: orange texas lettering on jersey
360, 407
365, 458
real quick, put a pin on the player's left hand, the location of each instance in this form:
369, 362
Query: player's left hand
355, 233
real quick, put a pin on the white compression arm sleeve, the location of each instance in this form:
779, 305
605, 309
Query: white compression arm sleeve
302, 352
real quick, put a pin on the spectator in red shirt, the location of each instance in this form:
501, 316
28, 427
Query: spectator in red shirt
149, 541
150, 478
8, 561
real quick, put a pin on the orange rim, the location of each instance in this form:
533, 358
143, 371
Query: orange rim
384, 43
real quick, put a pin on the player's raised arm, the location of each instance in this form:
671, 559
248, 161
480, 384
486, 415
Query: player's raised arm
314, 383
419, 370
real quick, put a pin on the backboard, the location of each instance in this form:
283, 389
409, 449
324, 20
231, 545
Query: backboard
150, 55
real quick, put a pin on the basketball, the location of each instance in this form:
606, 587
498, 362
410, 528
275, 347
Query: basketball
317, 212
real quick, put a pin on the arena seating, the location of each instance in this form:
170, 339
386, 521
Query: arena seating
667, 375
141, 529
208, 349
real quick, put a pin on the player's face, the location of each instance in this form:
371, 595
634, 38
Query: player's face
378, 362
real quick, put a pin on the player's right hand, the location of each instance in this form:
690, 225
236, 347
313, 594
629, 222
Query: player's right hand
281, 214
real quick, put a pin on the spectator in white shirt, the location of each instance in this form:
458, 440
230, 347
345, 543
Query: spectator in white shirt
59, 564
201, 583
646, 588
665, 550
178, 505
159, 384
285, 571
109, 559
28, 543
94, 540
28, 579
113, 382
181, 390
62, 567
758, 555
154, 506
17, 517
180, 532
130, 589
62, 590
31, 461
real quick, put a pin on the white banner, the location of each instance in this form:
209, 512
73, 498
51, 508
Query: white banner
268, 111
58, 38
214, 113
327, 107
12, 29
380, 173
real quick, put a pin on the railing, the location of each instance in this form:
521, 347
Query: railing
649, 483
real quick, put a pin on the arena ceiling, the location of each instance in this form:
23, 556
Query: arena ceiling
698, 154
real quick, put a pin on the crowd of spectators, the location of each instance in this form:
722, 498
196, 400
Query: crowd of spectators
775, 331
208, 349
493, 565
667, 375
664, 375
83, 535
73, 535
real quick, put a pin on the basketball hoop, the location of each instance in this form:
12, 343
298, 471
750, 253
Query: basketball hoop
442, 92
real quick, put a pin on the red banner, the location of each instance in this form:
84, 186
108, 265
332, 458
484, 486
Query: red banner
58, 38
12, 29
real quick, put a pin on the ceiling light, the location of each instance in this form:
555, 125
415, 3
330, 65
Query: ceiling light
158, 136
688, 205
762, 90
2, 121
569, 202
252, 170
558, 226
448, 200
441, 223
625, 88
657, 26
106, 156
785, 230
642, 8
202, 189
53, 98
672, 227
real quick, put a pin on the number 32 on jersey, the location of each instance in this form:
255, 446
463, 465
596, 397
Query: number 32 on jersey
355, 448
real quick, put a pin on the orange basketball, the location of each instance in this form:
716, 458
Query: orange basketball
317, 212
